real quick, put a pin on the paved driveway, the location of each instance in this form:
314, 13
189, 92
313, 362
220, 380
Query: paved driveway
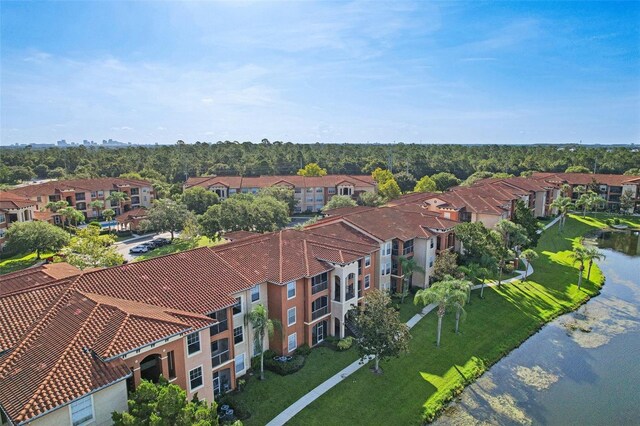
124, 246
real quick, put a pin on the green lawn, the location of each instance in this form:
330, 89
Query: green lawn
20, 261
266, 399
420, 383
177, 246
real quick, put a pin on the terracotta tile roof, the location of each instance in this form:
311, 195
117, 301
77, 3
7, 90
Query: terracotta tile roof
585, 178
35, 276
78, 185
292, 180
287, 255
476, 200
193, 281
9, 200
137, 213
239, 235
52, 364
386, 223
341, 211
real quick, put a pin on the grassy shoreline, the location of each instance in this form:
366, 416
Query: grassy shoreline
418, 386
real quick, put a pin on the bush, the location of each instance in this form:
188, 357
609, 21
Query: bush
303, 350
284, 368
95, 225
345, 343
124, 233
240, 410
508, 268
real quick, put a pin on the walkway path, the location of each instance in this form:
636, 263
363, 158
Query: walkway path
314, 394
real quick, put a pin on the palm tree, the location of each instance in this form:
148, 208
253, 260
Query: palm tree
579, 256
475, 273
465, 286
70, 214
118, 197
592, 254
108, 215
445, 294
97, 205
563, 204
528, 255
409, 266
263, 326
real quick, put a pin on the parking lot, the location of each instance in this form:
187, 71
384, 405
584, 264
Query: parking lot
124, 247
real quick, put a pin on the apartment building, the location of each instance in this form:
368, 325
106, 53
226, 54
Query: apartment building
14, 208
79, 193
487, 201
400, 231
182, 316
610, 187
311, 193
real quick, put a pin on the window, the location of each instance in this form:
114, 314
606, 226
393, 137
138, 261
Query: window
309, 199
319, 190
367, 281
39, 198
80, 196
293, 342
367, 261
219, 352
386, 249
291, 317
195, 378
3, 218
309, 190
291, 290
431, 264
237, 307
331, 191
394, 248
255, 293
239, 363
237, 335
171, 362
408, 247
82, 411
221, 325
135, 191
431, 242
193, 343
298, 190
385, 268
319, 307
319, 283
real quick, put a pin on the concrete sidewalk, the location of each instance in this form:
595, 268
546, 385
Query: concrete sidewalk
314, 394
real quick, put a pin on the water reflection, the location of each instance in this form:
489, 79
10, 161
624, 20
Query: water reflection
580, 369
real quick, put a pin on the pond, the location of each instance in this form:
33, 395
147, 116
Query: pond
583, 368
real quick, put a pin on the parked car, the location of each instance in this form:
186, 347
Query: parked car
150, 244
162, 241
140, 249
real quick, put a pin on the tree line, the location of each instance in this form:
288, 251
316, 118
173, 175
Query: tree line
173, 164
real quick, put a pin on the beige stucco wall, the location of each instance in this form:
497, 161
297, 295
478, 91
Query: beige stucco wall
105, 401
247, 345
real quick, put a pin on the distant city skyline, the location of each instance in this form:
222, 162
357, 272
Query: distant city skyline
330, 72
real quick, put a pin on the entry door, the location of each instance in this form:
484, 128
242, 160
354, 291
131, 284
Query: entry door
320, 332
216, 385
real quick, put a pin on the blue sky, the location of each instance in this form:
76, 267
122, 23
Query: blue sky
430, 72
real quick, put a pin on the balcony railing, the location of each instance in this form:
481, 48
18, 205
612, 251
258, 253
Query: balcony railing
317, 288
219, 358
319, 312
350, 295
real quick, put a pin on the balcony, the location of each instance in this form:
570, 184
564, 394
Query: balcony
317, 288
319, 312
350, 295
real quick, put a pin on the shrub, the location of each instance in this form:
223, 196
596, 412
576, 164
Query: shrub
508, 268
303, 350
240, 410
345, 343
124, 233
95, 225
284, 368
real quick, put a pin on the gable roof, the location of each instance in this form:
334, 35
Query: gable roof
10, 201
78, 185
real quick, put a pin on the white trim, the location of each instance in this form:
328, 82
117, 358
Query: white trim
186, 342
289, 342
93, 411
233, 335
201, 376
295, 290
244, 363
295, 316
